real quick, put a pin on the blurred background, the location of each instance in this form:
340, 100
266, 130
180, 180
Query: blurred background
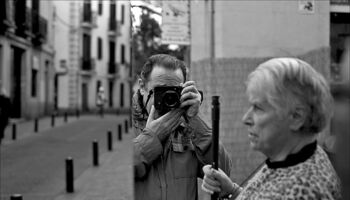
56, 55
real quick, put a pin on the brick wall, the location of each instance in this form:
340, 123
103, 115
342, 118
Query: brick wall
227, 81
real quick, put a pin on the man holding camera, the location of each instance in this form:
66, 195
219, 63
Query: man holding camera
172, 142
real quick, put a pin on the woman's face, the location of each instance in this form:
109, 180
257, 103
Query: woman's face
267, 129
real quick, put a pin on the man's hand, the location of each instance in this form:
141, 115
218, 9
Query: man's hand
191, 98
216, 181
165, 124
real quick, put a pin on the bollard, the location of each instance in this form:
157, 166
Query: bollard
16, 197
120, 136
77, 113
95, 153
36, 126
110, 140
14, 131
69, 175
52, 120
126, 126
65, 117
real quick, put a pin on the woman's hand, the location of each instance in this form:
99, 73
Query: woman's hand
217, 181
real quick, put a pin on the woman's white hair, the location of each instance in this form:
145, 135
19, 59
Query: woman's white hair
291, 83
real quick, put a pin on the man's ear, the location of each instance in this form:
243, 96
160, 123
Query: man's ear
142, 85
297, 118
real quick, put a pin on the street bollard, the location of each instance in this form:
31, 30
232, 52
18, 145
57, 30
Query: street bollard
126, 126
36, 125
16, 197
52, 120
69, 175
65, 117
14, 131
110, 140
77, 113
95, 153
120, 135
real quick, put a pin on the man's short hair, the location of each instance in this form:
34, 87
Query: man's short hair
163, 60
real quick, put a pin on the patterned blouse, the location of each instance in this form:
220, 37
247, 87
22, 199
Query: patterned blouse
306, 175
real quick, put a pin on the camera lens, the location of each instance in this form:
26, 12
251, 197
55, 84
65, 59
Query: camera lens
171, 99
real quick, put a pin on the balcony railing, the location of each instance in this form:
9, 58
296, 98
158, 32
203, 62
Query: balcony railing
113, 68
87, 64
340, 2
39, 29
114, 28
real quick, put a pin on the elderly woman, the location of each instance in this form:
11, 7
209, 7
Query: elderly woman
290, 103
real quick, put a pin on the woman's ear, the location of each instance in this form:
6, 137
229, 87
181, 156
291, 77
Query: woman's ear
297, 119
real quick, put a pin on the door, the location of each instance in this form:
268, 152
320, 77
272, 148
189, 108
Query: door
16, 75
84, 97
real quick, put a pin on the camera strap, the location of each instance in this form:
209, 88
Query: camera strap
140, 99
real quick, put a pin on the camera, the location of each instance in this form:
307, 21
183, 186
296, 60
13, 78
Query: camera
166, 98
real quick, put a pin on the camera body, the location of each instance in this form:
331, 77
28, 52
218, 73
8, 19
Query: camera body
166, 98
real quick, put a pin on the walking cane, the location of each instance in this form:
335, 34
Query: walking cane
215, 114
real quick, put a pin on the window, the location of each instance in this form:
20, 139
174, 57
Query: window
100, 7
110, 93
111, 51
122, 13
98, 85
99, 48
121, 95
122, 54
34, 87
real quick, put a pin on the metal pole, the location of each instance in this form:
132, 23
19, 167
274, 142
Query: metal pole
120, 136
16, 197
69, 175
95, 153
14, 131
110, 140
65, 117
36, 126
215, 112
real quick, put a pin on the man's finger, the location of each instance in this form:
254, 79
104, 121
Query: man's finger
188, 83
191, 88
189, 103
188, 95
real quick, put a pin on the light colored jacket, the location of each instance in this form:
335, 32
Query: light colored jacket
162, 173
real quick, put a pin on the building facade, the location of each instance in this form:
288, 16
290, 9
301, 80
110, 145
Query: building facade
230, 38
93, 50
26, 56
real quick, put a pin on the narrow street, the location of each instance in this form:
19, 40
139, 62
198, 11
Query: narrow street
34, 166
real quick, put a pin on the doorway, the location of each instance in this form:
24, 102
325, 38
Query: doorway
84, 97
16, 76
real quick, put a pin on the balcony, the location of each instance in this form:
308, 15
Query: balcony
24, 24
89, 18
114, 28
6, 19
340, 2
39, 27
87, 66
340, 6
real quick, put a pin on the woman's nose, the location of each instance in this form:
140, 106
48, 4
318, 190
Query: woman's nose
247, 119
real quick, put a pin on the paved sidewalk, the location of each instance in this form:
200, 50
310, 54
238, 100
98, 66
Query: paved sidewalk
112, 180
25, 128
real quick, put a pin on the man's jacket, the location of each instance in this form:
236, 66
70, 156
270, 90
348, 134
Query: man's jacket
169, 170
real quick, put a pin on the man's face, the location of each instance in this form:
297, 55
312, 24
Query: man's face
267, 130
161, 77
